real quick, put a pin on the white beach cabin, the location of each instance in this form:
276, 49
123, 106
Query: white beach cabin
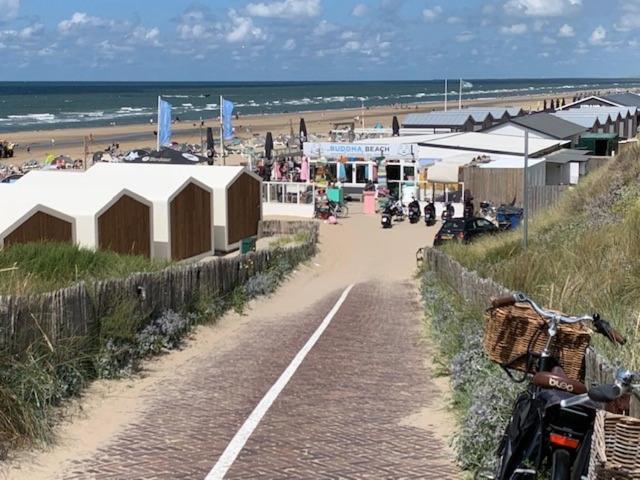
237, 199
107, 217
24, 221
182, 206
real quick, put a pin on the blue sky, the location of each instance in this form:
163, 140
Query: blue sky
316, 39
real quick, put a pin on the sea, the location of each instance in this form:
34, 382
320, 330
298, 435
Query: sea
49, 105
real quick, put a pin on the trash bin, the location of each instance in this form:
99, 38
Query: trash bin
509, 217
248, 245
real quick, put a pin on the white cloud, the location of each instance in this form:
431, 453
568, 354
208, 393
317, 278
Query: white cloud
454, 20
463, 37
566, 31
290, 44
598, 36
351, 46
80, 20
9, 9
242, 29
145, 36
324, 28
360, 10
541, 8
630, 18
289, 9
517, 29
548, 40
430, 14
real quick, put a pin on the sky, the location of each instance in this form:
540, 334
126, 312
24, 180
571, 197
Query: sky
249, 40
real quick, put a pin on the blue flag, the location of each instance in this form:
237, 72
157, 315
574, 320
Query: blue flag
164, 123
227, 117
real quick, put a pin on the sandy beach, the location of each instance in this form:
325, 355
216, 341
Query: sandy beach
70, 141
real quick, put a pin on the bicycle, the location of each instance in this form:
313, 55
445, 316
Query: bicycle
543, 432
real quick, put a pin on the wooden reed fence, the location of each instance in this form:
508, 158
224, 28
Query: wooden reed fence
477, 291
75, 310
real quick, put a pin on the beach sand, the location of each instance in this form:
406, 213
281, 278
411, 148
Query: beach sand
70, 141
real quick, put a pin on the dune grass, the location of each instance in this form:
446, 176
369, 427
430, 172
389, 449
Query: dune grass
40, 267
583, 255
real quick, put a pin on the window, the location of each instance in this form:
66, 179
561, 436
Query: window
332, 171
348, 170
483, 224
409, 172
361, 173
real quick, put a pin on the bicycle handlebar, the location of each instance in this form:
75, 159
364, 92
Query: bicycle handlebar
602, 326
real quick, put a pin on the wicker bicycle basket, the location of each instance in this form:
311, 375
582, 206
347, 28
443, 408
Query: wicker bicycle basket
615, 447
513, 332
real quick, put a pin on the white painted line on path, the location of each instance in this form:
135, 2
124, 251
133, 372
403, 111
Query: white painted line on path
239, 440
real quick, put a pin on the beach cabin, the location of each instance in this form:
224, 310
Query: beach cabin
237, 197
182, 206
107, 217
27, 222
540, 125
237, 200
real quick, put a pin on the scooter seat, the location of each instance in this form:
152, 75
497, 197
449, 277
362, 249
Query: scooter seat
559, 380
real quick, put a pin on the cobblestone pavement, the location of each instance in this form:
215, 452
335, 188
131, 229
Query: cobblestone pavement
338, 418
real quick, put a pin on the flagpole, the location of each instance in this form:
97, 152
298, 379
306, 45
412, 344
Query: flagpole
445, 94
222, 133
460, 96
158, 122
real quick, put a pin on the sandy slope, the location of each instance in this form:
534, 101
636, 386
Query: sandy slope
356, 250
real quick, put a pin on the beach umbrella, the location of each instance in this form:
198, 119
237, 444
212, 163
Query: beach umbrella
268, 145
544, 105
303, 131
564, 102
553, 105
395, 125
211, 151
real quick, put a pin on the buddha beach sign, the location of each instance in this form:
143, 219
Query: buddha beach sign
369, 151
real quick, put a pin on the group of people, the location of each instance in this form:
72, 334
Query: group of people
6, 149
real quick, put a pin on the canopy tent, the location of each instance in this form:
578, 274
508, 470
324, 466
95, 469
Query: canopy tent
164, 156
447, 171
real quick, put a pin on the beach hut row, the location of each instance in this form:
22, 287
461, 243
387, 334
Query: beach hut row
157, 211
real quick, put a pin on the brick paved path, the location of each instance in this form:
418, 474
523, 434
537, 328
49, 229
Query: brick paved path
339, 417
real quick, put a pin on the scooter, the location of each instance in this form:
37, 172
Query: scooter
448, 212
386, 217
430, 214
396, 208
414, 211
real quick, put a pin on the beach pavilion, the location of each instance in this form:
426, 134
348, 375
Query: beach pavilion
106, 217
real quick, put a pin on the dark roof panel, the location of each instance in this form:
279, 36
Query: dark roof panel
626, 99
549, 125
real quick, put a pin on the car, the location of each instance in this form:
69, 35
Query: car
463, 230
